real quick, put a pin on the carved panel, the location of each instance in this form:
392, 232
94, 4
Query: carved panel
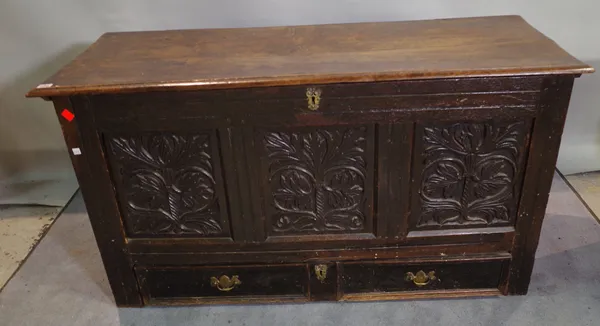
470, 174
166, 184
317, 180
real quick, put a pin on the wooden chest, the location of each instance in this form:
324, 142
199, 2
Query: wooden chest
334, 162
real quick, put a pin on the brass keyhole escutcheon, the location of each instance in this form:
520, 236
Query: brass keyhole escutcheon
421, 278
321, 272
313, 96
225, 283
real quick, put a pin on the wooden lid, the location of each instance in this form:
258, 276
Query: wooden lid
317, 54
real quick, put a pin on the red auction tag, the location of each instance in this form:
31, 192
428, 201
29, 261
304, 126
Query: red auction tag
67, 115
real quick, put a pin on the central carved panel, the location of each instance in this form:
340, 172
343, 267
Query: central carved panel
166, 184
470, 174
317, 180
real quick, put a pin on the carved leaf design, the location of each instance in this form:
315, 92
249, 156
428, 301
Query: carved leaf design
317, 179
469, 173
167, 184
444, 181
493, 177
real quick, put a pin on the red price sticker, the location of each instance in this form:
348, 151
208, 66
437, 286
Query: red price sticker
67, 115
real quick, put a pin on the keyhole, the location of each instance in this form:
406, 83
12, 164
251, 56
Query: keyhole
313, 95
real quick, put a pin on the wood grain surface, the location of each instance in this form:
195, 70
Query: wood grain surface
314, 54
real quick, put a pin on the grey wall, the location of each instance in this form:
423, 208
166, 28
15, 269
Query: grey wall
38, 37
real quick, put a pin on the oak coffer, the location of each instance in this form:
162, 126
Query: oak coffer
366, 161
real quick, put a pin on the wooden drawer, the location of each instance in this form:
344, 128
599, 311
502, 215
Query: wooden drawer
177, 285
389, 277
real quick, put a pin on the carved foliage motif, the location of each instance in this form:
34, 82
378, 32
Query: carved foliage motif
317, 179
167, 184
469, 174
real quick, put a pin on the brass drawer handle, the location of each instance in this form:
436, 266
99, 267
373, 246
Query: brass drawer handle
321, 272
313, 95
421, 279
224, 283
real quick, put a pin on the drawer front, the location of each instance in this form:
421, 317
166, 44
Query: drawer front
374, 277
163, 284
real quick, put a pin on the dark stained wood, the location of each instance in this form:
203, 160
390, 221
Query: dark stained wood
430, 145
379, 110
547, 132
251, 57
94, 180
463, 251
136, 171
498, 85
230, 161
245, 300
468, 174
327, 288
166, 283
340, 160
390, 276
408, 295
393, 183
389, 102
254, 205
499, 236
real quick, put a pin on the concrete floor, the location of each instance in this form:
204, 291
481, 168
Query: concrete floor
34, 188
63, 283
587, 186
21, 227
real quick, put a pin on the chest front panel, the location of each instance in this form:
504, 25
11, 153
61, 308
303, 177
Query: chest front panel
374, 161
